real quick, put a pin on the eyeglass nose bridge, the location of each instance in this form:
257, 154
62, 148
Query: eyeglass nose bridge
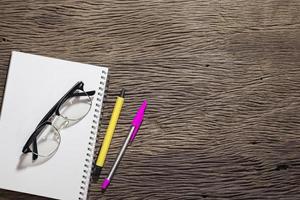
64, 125
60, 125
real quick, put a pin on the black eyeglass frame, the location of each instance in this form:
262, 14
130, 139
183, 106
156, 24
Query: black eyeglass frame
32, 140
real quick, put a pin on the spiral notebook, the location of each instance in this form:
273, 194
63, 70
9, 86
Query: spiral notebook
34, 84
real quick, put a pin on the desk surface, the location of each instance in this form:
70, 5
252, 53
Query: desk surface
222, 79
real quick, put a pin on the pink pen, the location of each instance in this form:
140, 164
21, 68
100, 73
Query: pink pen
136, 123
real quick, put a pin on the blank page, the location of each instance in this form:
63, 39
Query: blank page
34, 84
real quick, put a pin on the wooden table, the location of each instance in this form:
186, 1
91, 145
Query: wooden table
222, 79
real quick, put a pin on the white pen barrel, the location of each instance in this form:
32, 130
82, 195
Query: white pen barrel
120, 155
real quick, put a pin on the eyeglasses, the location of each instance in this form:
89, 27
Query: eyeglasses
71, 108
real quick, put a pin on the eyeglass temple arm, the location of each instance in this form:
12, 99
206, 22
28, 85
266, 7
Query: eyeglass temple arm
61, 101
79, 94
35, 150
57, 105
32, 140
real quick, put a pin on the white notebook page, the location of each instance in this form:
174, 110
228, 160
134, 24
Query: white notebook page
34, 84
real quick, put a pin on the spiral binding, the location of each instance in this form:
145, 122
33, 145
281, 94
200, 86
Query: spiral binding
97, 117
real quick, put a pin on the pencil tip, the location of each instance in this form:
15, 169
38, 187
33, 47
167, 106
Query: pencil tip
96, 173
122, 93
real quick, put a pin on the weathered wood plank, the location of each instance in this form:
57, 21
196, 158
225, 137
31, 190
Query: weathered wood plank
222, 79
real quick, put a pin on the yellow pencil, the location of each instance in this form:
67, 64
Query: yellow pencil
108, 135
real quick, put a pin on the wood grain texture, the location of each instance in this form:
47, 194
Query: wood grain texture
222, 79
